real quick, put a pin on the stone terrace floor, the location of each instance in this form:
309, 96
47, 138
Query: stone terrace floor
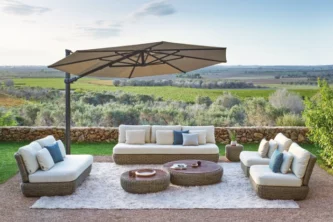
317, 207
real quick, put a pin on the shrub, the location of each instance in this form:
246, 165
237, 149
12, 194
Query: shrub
283, 99
7, 118
203, 100
227, 100
9, 82
318, 116
290, 119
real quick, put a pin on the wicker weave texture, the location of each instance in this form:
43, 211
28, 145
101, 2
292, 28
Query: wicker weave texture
160, 158
53, 189
47, 189
245, 169
232, 152
23, 170
309, 169
279, 192
146, 185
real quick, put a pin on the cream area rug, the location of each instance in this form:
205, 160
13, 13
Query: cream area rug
102, 190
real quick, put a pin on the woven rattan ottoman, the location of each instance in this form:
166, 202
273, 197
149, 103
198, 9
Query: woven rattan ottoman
140, 185
232, 152
208, 173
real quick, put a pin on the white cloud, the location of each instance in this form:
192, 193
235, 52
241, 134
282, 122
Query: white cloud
156, 8
19, 8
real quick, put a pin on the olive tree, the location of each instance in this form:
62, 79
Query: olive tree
318, 116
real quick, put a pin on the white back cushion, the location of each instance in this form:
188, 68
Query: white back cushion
29, 155
135, 136
123, 128
158, 127
283, 142
44, 159
287, 161
62, 148
263, 148
272, 147
164, 137
301, 160
210, 131
202, 136
46, 141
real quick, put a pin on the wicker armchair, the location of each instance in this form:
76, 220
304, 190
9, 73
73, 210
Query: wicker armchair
285, 192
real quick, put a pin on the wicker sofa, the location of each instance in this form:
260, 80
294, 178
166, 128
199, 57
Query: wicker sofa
62, 179
153, 153
250, 158
269, 185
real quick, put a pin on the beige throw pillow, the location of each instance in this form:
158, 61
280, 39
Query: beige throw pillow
273, 145
301, 160
263, 148
287, 160
164, 137
45, 159
135, 136
202, 135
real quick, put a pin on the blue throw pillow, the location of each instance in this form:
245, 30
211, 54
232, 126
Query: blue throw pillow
276, 161
55, 152
178, 137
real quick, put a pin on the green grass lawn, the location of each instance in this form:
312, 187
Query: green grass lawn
166, 92
8, 167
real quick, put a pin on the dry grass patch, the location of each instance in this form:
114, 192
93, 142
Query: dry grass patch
102, 82
8, 101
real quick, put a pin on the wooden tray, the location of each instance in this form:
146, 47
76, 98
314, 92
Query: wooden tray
145, 173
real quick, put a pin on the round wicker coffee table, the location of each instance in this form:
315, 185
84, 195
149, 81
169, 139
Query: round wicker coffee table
208, 173
160, 181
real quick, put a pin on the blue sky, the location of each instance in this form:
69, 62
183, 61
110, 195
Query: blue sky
255, 32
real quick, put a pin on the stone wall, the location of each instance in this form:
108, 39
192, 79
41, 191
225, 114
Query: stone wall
109, 134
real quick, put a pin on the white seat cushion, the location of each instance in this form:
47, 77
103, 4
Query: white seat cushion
210, 136
283, 142
29, 156
250, 158
263, 175
301, 160
154, 128
65, 171
122, 132
153, 148
46, 141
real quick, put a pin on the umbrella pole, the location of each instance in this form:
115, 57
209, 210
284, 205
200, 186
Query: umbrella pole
68, 109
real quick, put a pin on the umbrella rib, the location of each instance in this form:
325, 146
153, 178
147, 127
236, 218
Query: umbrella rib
85, 60
193, 57
175, 67
164, 57
134, 67
118, 60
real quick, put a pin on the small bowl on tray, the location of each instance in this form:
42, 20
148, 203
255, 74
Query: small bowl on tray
145, 173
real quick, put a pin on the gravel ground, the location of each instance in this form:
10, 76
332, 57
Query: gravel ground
317, 207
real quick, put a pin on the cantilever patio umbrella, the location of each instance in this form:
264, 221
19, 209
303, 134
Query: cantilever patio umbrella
151, 59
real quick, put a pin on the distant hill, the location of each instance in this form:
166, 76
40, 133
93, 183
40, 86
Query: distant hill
213, 72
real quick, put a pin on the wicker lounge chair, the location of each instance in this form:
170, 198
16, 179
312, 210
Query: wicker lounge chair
62, 179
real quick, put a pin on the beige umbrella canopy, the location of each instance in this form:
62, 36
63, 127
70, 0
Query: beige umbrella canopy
149, 59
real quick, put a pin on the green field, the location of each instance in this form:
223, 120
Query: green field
166, 92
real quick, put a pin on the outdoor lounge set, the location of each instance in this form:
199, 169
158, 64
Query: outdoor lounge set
280, 169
